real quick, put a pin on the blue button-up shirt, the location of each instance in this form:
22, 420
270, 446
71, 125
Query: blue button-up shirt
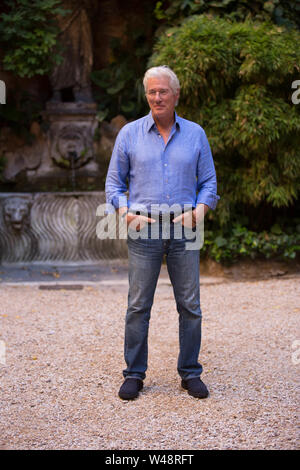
180, 172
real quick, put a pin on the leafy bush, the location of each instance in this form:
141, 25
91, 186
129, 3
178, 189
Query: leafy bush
240, 242
236, 83
29, 35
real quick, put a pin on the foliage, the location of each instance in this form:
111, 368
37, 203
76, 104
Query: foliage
120, 89
236, 83
119, 85
29, 35
240, 242
281, 12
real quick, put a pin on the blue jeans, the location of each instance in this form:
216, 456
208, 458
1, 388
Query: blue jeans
145, 259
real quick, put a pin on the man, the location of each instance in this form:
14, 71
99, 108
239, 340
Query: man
168, 163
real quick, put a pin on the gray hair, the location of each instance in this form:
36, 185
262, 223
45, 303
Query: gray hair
162, 70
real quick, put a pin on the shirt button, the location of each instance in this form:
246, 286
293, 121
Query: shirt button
166, 164
168, 197
159, 135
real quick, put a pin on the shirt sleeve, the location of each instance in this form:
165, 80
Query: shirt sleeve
118, 170
206, 175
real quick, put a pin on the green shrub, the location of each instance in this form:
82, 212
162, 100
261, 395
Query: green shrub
240, 242
236, 83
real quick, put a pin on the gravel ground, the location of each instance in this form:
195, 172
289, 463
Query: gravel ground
64, 360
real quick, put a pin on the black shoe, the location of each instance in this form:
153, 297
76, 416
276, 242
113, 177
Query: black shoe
195, 387
130, 388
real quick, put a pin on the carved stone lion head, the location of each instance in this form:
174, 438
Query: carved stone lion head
16, 211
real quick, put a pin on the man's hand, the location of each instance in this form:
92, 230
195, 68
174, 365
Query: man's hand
192, 218
137, 222
133, 221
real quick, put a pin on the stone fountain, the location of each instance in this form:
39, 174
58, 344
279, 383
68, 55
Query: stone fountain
41, 223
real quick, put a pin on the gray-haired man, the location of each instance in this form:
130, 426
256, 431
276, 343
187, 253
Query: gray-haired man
167, 163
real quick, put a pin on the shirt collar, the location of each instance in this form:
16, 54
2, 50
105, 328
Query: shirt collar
151, 122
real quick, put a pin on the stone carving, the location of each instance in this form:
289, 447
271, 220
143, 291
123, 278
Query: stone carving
68, 144
57, 156
17, 241
55, 223
64, 155
73, 72
53, 228
16, 212
72, 146
70, 136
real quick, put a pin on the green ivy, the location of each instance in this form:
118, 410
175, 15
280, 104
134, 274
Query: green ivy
29, 36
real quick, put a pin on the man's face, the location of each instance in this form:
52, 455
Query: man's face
161, 97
